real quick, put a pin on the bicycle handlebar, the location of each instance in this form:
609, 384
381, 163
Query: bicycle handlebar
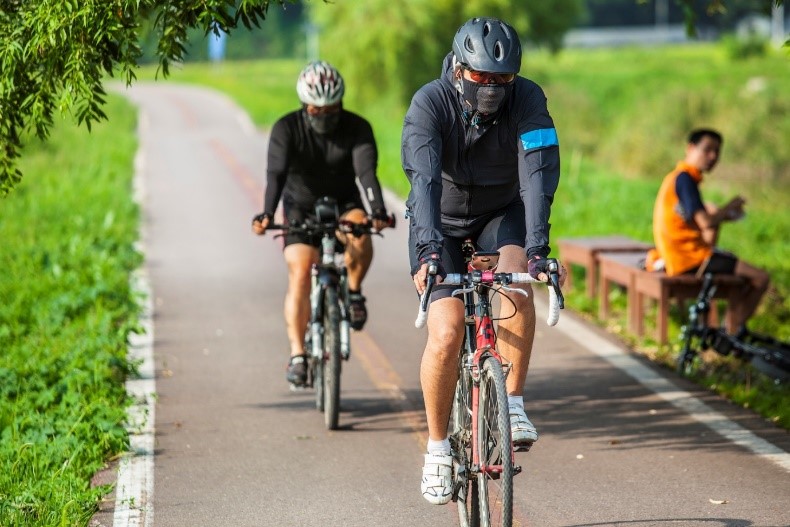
556, 300
345, 226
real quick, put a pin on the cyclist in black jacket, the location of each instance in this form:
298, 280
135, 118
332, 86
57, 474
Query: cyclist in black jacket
321, 150
482, 156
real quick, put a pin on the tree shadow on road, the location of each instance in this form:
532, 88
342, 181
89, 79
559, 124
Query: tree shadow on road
678, 522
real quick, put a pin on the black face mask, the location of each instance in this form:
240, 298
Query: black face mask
486, 99
323, 124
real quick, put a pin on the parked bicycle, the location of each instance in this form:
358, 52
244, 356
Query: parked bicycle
328, 335
765, 353
479, 428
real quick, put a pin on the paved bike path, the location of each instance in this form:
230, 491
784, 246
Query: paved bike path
235, 447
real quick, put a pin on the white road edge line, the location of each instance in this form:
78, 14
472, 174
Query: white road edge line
665, 389
134, 489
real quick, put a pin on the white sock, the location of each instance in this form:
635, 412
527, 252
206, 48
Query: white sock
439, 447
515, 400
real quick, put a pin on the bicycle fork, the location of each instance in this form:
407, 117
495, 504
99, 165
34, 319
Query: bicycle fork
316, 317
321, 279
474, 368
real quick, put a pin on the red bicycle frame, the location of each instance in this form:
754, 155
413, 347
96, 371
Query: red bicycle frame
485, 344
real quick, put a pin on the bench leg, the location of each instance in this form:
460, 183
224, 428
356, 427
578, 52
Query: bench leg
603, 304
632, 311
592, 269
639, 314
663, 316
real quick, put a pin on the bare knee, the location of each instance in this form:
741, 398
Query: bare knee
445, 329
300, 259
758, 278
762, 281
445, 340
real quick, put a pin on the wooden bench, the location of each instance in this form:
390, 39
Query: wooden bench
584, 252
624, 269
618, 268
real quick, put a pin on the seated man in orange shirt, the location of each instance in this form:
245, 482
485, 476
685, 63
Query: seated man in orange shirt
685, 230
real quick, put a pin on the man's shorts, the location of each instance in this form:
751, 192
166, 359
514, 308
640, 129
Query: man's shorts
295, 214
488, 233
720, 262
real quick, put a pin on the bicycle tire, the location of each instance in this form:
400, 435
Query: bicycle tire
332, 359
494, 447
771, 358
686, 358
466, 488
318, 382
316, 370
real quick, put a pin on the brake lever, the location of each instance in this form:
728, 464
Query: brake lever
554, 277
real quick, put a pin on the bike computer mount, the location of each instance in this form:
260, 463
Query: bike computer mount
479, 260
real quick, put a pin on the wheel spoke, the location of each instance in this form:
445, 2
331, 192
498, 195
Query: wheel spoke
496, 455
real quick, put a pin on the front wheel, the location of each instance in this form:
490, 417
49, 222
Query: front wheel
685, 359
466, 488
495, 476
331, 360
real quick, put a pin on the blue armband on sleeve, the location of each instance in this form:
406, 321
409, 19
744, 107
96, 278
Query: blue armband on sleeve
541, 138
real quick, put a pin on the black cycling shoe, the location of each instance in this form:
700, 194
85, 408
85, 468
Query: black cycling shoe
296, 372
358, 313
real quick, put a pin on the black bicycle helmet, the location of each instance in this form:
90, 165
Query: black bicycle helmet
488, 44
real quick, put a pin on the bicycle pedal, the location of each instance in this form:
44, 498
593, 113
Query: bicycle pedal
524, 447
516, 469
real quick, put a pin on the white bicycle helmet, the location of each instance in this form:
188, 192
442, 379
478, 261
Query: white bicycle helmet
320, 84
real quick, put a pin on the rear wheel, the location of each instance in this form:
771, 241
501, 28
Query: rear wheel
467, 497
770, 356
332, 359
495, 479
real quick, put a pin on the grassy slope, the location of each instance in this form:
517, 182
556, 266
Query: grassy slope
65, 310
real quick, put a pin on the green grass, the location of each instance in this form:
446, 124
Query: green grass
66, 308
622, 117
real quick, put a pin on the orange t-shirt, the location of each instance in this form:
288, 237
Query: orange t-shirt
679, 242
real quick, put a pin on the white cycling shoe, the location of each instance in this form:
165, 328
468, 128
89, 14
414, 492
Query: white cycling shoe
437, 478
522, 430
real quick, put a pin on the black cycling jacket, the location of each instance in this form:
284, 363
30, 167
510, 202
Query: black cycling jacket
303, 165
459, 171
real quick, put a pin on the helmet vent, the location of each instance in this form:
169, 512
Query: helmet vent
486, 29
468, 45
499, 51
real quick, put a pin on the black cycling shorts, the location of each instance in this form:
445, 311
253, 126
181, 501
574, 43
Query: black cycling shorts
488, 233
720, 262
295, 214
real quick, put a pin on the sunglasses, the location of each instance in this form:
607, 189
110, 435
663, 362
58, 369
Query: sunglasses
322, 110
484, 77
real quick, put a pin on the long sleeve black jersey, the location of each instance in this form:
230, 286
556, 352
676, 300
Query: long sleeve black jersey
459, 171
303, 165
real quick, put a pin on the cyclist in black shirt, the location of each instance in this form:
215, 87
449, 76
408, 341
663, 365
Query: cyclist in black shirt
321, 150
482, 156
